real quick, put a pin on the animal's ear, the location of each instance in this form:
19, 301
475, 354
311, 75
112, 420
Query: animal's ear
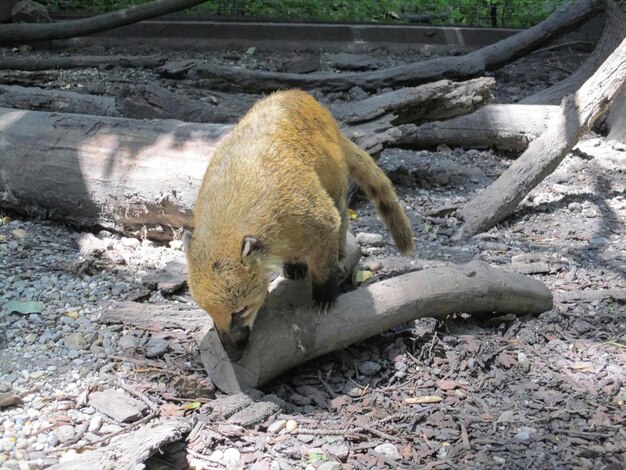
250, 246
187, 237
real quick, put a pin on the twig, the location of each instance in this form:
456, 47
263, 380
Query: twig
465, 437
381, 434
76, 438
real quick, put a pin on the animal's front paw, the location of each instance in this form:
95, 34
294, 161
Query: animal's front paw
295, 270
325, 294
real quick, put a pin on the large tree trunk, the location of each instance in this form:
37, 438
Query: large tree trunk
29, 32
143, 176
471, 65
577, 115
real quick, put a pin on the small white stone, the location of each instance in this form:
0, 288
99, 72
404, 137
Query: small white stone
388, 450
277, 426
95, 424
231, 456
291, 425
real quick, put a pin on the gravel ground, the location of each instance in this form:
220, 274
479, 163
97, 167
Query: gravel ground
545, 392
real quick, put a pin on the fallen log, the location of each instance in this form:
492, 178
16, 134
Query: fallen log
79, 61
576, 117
504, 127
471, 65
40, 99
288, 332
142, 177
136, 177
29, 32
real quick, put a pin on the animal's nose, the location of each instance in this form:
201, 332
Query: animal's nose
235, 341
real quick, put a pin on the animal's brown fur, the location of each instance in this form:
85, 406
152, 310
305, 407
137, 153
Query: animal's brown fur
280, 178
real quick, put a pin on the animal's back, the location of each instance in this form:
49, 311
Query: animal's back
267, 175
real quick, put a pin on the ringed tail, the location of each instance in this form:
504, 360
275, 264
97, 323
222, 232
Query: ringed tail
368, 175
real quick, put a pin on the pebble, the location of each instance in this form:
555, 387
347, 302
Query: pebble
330, 466
370, 239
524, 434
95, 423
277, 426
523, 361
231, 457
291, 425
369, 367
64, 433
128, 342
156, 347
388, 450
75, 341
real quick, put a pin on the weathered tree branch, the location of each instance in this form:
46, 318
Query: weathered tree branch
78, 61
471, 65
577, 115
29, 32
289, 332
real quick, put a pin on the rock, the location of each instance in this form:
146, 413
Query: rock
330, 466
374, 266
75, 341
231, 457
370, 239
168, 280
64, 433
388, 450
369, 367
276, 426
523, 361
95, 423
524, 434
156, 347
28, 11
341, 451
19, 233
117, 405
318, 396
581, 326
301, 65
260, 465
128, 342
291, 425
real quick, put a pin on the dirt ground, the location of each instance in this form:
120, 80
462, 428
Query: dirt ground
533, 392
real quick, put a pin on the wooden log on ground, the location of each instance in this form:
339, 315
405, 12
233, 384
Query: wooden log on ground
577, 115
471, 65
285, 336
79, 61
136, 177
503, 127
34, 98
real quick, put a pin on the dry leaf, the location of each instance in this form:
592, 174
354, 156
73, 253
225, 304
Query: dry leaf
170, 409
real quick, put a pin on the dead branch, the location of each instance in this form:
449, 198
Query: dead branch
78, 61
471, 65
577, 115
291, 336
28, 32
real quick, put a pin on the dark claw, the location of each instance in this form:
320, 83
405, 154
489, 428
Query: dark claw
325, 294
295, 270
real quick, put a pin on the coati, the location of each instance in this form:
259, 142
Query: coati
275, 193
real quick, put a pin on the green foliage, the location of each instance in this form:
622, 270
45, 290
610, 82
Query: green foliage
495, 13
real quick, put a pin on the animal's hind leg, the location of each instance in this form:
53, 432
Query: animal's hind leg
343, 234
